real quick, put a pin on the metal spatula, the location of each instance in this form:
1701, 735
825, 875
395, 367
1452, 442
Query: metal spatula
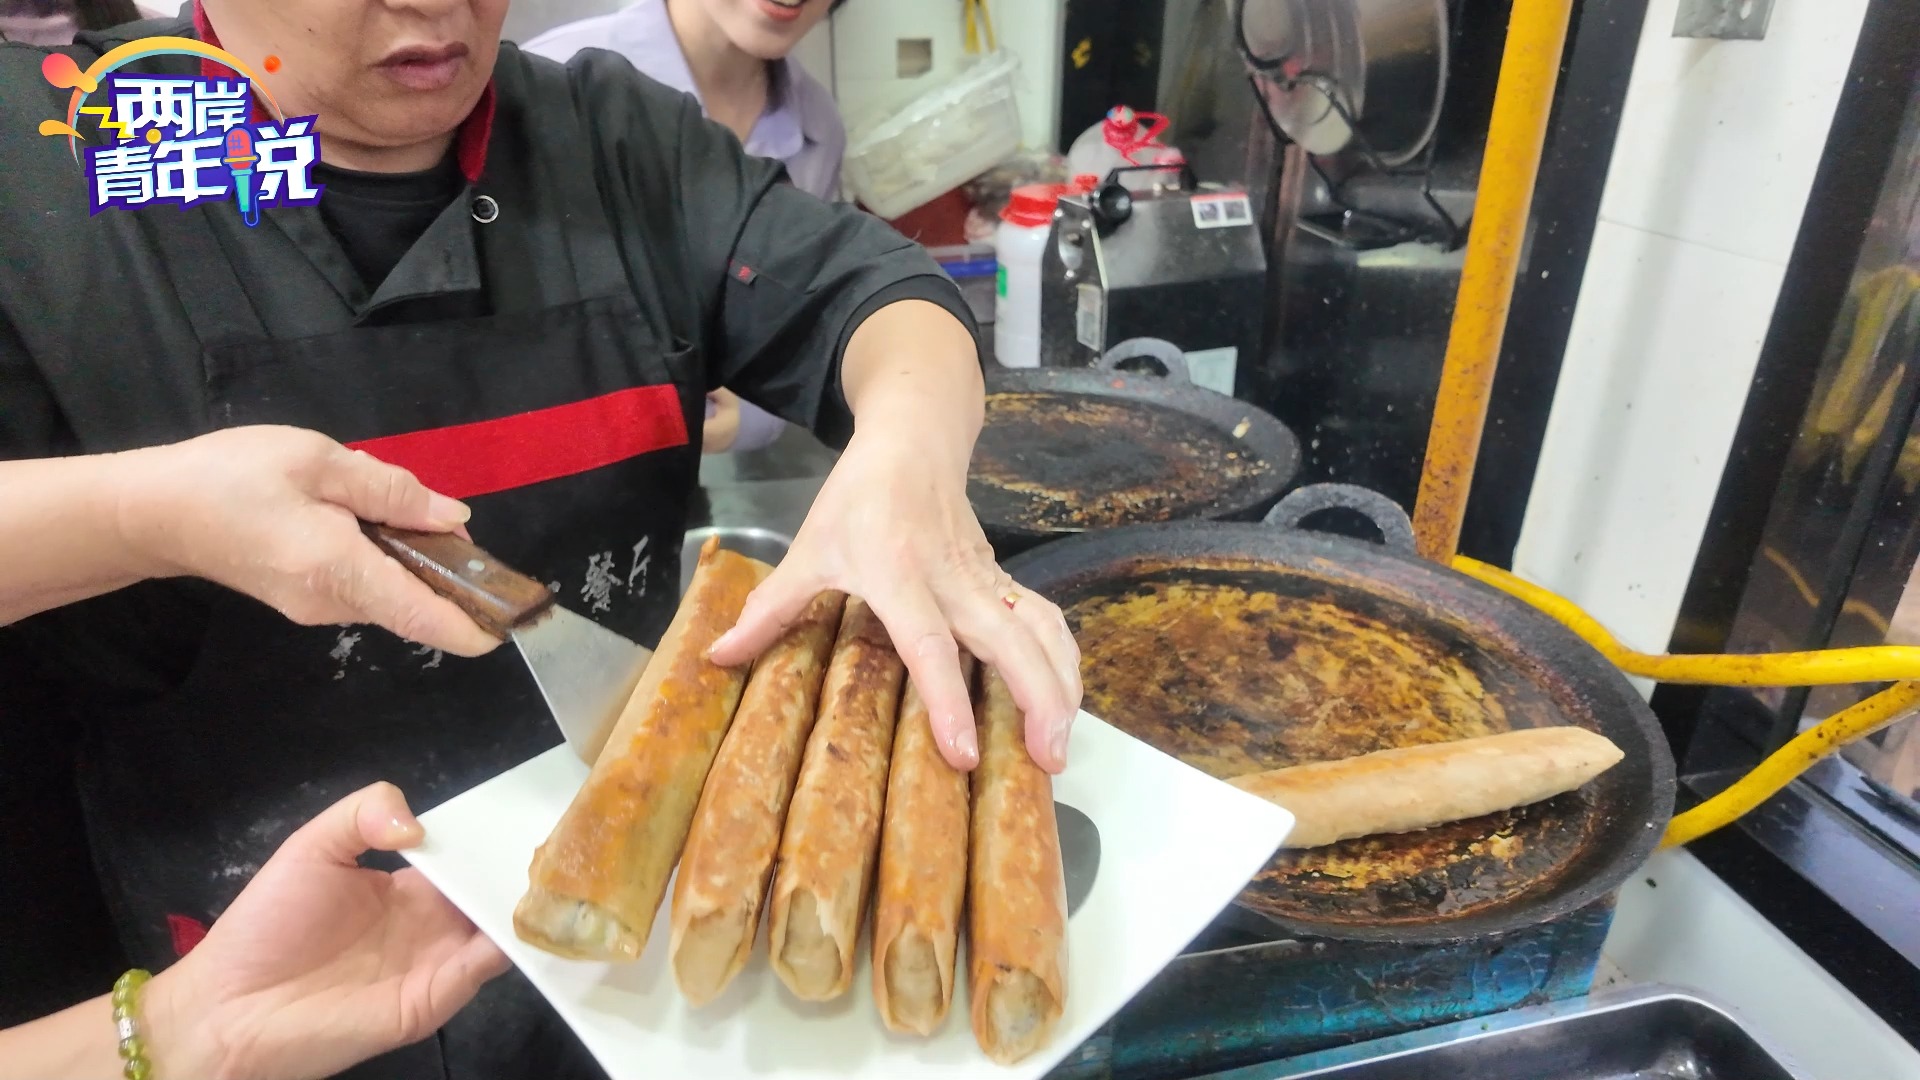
1079, 852
585, 671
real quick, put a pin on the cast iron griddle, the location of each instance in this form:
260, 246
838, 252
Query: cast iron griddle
1243, 647
1067, 450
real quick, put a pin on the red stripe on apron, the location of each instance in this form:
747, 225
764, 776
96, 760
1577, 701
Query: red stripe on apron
480, 458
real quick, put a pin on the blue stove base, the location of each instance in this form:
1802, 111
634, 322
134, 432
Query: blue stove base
1229, 1007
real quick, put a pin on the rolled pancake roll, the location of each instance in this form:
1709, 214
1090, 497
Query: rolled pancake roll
1418, 787
922, 878
729, 855
596, 883
1016, 890
833, 823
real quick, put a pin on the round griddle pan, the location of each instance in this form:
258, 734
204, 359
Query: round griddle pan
1239, 647
1066, 450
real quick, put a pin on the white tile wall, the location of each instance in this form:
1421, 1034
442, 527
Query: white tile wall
1660, 353
1726, 135
815, 53
1717, 148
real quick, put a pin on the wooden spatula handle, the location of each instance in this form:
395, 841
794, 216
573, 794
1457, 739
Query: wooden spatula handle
493, 594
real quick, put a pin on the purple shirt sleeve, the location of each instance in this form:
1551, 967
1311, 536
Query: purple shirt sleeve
759, 428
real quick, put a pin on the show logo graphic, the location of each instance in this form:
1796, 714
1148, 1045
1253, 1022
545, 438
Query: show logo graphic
180, 140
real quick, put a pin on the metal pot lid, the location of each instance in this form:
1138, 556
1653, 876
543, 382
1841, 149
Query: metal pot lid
1321, 62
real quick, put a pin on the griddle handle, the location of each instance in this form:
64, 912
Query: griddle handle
1396, 529
1165, 353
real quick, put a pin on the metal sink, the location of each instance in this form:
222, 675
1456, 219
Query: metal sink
767, 545
1644, 1033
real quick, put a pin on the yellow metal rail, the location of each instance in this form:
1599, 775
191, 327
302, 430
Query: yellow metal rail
1536, 36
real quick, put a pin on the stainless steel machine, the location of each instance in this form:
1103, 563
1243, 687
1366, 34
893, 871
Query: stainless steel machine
1178, 261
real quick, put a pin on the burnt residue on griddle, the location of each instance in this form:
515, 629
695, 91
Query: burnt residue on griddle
1241, 668
1057, 461
1453, 869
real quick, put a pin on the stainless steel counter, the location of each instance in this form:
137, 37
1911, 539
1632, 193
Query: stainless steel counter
756, 501
770, 488
796, 455
779, 505
1647, 1033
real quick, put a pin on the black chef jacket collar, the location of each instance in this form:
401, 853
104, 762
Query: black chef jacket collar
443, 260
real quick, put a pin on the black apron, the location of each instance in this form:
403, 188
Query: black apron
186, 797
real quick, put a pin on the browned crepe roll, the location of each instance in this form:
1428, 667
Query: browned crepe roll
833, 824
1016, 890
923, 876
596, 883
736, 829
1418, 787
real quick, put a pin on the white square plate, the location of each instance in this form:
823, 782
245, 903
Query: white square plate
1175, 847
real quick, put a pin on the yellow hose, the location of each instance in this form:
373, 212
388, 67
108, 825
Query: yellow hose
1827, 667
1536, 36
1830, 667
1855, 722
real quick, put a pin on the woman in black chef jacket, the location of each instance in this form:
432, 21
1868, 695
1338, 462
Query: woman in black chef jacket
520, 283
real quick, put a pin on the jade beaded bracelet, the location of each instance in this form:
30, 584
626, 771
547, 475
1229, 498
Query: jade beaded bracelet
126, 1001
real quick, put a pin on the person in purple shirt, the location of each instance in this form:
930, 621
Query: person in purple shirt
732, 56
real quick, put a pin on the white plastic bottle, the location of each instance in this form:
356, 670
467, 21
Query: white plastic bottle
1124, 138
1020, 246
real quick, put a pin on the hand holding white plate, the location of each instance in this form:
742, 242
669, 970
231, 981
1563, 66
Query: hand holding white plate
1176, 847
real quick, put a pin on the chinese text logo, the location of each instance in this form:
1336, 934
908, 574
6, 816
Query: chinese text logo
184, 140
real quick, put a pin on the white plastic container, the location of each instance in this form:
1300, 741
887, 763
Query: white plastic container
1020, 244
1124, 138
938, 141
